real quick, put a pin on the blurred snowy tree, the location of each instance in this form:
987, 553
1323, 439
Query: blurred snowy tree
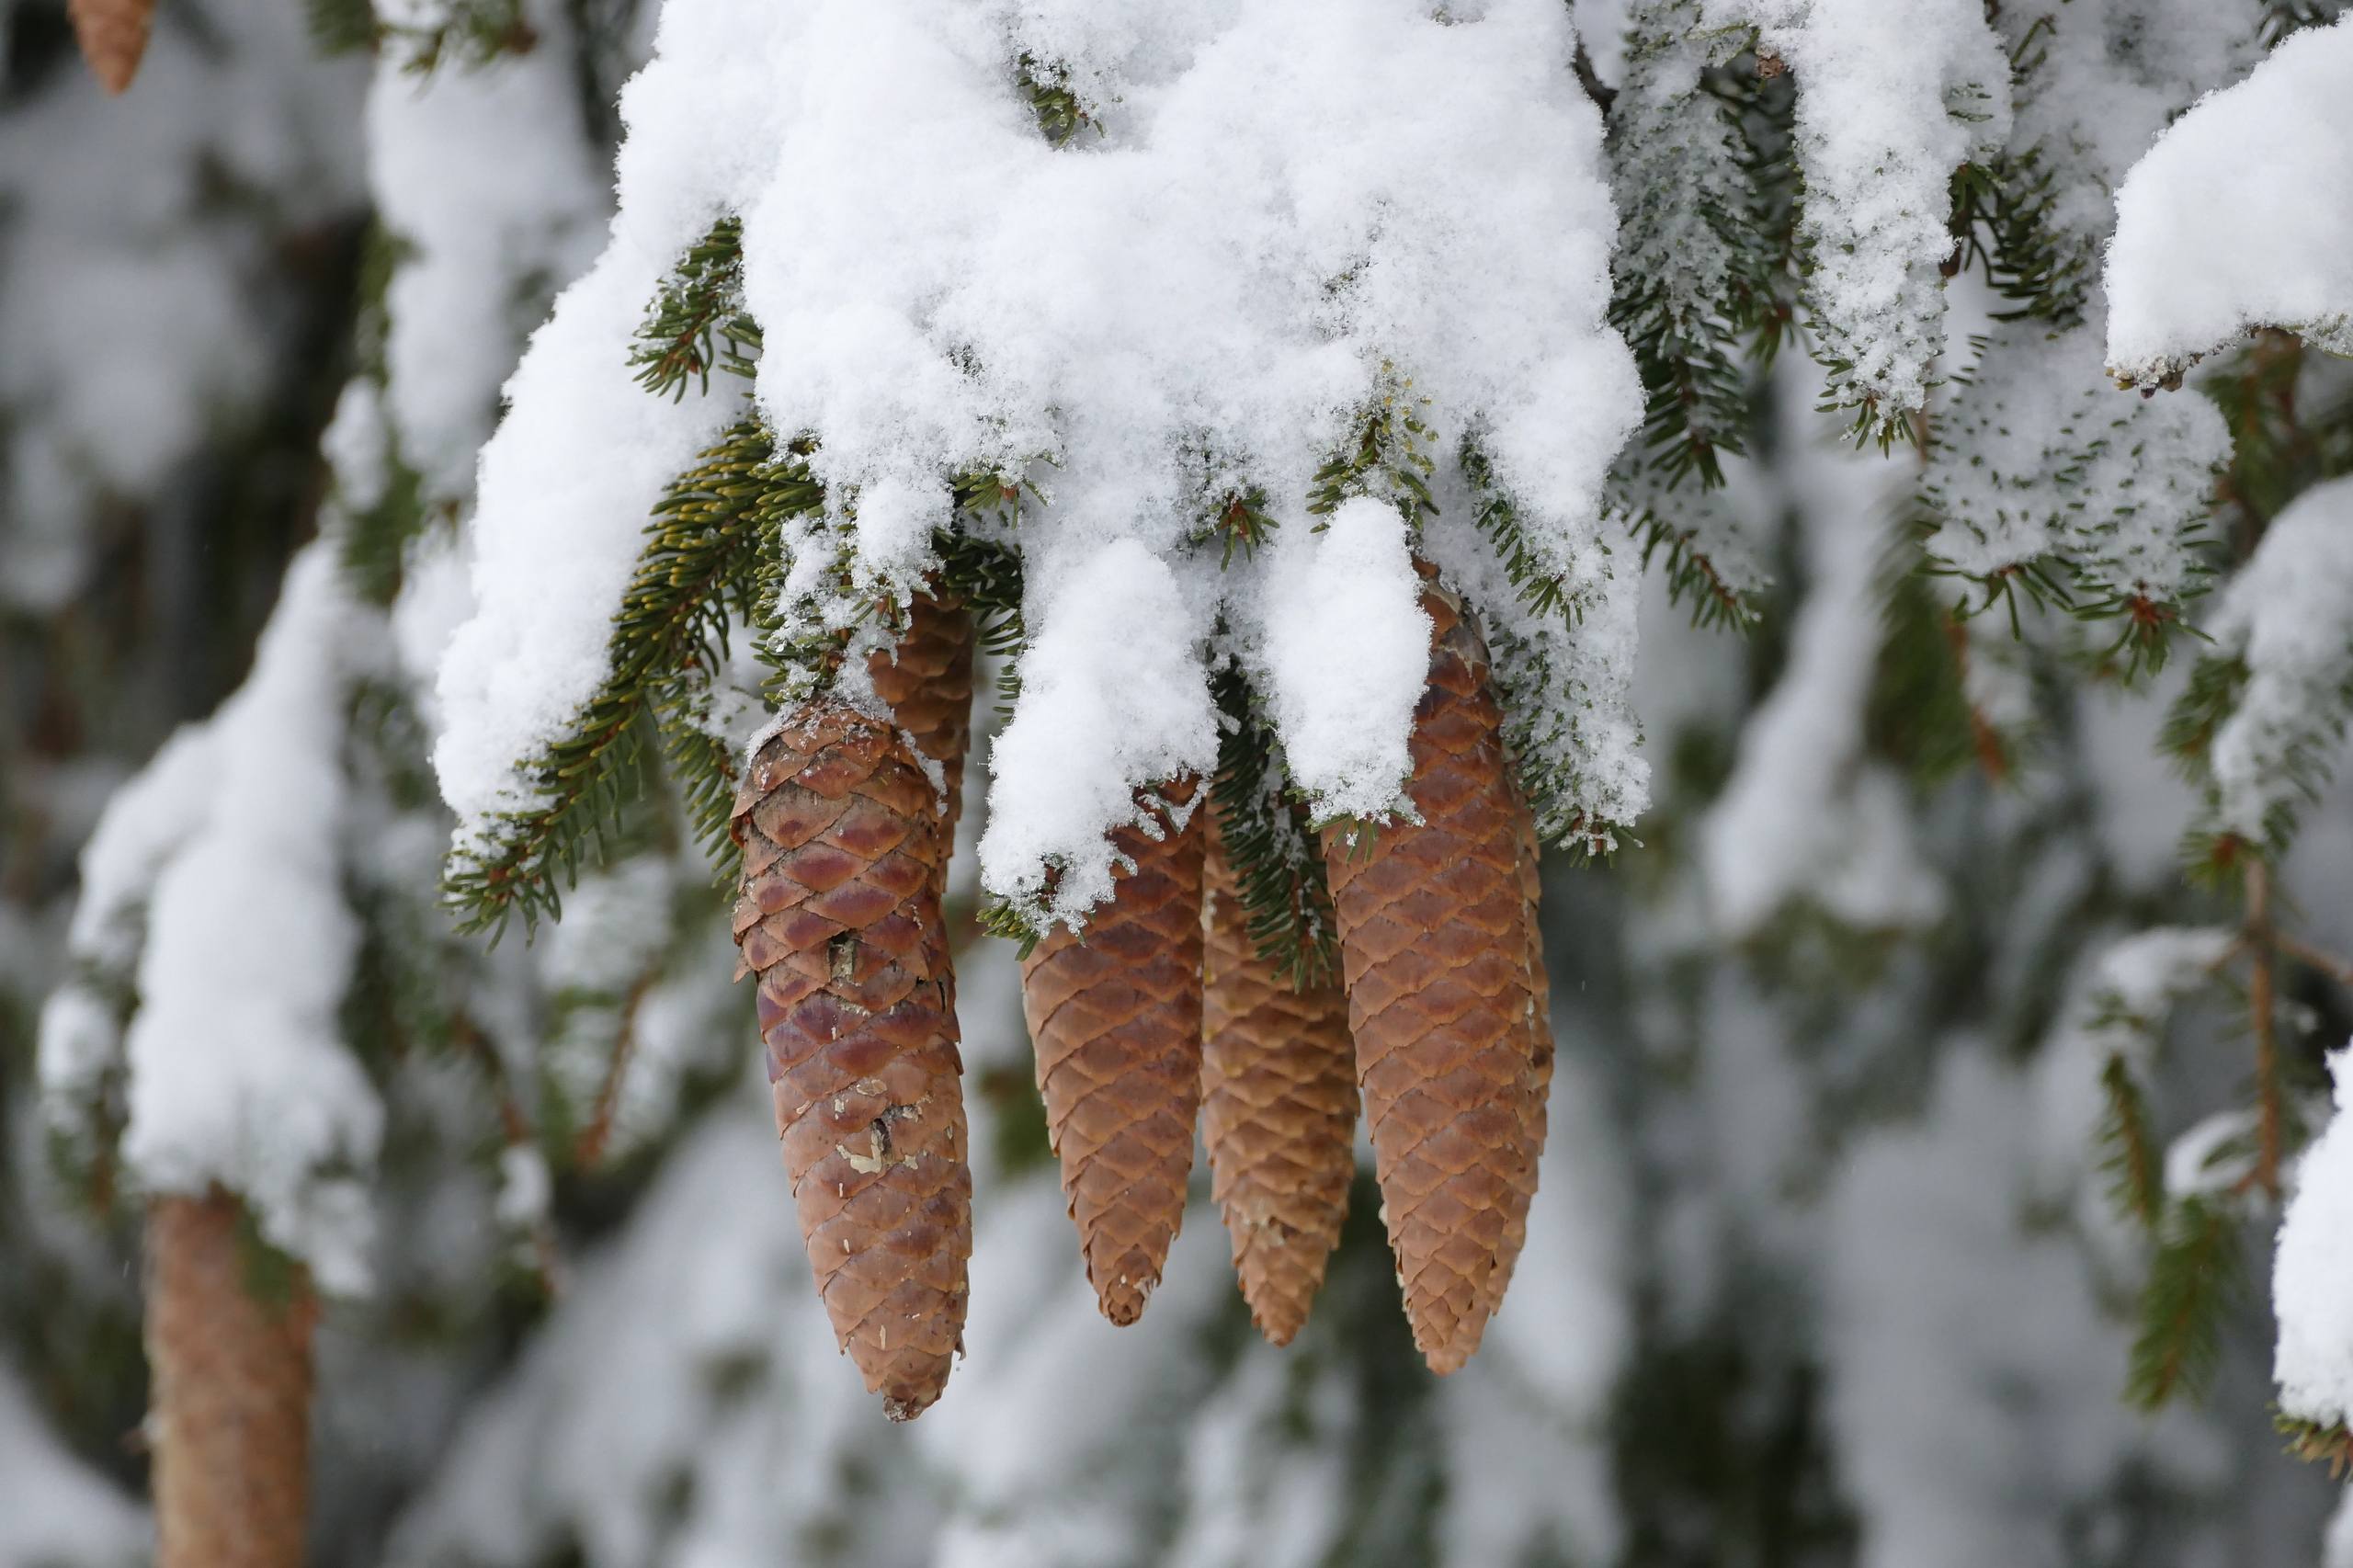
1936, 1049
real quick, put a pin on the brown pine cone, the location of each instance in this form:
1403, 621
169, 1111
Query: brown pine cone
231, 1401
1278, 1110
1115, 1018
927, 681
113, 35
839, 917
1434, 943
1540, 1048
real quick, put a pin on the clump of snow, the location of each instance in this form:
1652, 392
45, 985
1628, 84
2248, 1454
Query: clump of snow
238, 1075
2241, 216
2038, 455
2312, 1275
1891, 99
2283, 615
1277, 213
1346, 654
1113, 695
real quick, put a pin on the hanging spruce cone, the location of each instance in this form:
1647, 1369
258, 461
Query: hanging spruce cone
231, 1399
1434, 943
839, 917
927, 681
1540, 1048
1278, 1110
113, 35
1115, 1018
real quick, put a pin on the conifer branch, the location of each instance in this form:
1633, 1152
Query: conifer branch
701, 568
697, 322
2131, 1157
1278, 862
1385, 456
2317, 1442
2193, 1279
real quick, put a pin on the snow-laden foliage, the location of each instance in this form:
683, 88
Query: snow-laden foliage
1928, 1252
1891, 99
478, 235
126, 360
1242, 254
2038, 457
2311, 1278
1806, 814
2284, 647
2241, 216
237, 1071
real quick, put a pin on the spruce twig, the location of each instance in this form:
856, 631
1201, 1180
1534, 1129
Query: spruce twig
2192, 1278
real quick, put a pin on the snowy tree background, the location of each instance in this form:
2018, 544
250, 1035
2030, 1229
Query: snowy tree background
1841, 1254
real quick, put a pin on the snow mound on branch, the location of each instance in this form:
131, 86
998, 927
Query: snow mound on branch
1273, 214
1346, 650
1114, 695
2040, 455
2312, 1277
1891, 99
2284, 617
238, 1073
2241, 216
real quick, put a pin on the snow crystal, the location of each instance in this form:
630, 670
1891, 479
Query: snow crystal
2283, 615
1275, 213
1891, 99
2311, 1278
238, 1073
2241, 216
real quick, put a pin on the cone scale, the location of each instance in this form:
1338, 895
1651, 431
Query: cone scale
1115, 1015
1435, 945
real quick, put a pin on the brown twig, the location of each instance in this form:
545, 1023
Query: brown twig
2304, 952
2269, 1114
589, 1147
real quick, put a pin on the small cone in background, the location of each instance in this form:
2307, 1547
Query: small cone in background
113, 35
839, 917
1278, 1110
231, 1399
1115, 1015
927, 681
1434, 943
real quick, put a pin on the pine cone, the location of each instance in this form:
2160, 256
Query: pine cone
1278, 1110
113, 35
231, 1399
1540, 1048
1434, 943
839, 917
1117, 1021
927, 681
